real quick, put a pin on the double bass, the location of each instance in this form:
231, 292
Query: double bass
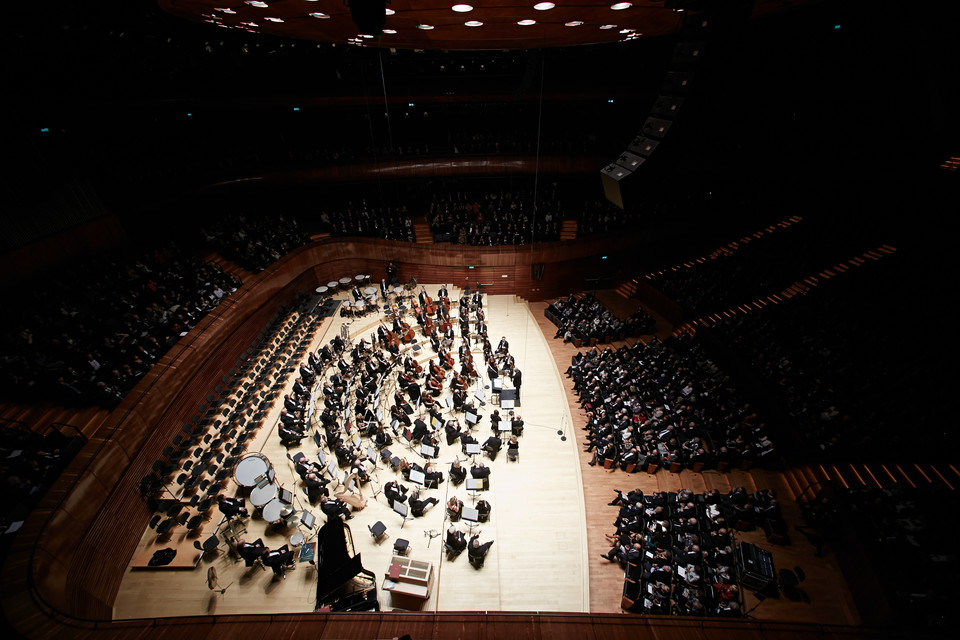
407, 335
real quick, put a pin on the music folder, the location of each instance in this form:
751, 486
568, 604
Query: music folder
417, 477
400, 507
470, 514
471, 418
473, 449
427, 451
474, 484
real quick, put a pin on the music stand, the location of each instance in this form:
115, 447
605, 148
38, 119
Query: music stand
317, 439
285, 496
401, 508
471, 418
471, 516
508, 398
427, 451
417, 477
481, 397
307, 519
496, 385
473, 449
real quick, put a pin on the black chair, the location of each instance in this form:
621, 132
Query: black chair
194, 522
164, 527
155, 520
378, 530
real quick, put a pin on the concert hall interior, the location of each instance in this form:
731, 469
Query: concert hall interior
373, 318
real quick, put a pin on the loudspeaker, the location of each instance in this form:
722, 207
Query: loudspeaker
677, 83
687, 55
629, 160
643, 146
655, 128
610, 176
666, 106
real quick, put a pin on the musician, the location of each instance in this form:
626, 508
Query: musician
356, 293
454, 508
517, 378
478, 552
410, 366
503, 347
430, 474
492, 371
480, 471
423, 296
250, 551
334, 507
300, 390
382, 439
315, 486
419, 430
483, 507
277, 559
417, 506
288, 419
384, 288
427, 400
309, 377
442, 292
456, 542
314, 362
290, 435
404, 380
396, 413
361, 472
338, 344
452, 429
495, 421
291, 405
457, 473
434, 386
459, 397
326, 354
516, 425
395, 492
492, 446
481, 331
464, 329
232, 507
435, 342
478, 298
443, 356
413, 390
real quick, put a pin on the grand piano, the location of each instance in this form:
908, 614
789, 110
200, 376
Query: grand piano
342, 582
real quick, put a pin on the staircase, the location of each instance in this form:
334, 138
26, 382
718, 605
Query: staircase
568, 230
628, 289
422, 230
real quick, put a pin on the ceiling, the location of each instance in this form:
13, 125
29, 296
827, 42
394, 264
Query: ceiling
496, 23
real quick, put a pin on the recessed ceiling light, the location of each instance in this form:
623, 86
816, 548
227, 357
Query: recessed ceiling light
544, 6
257, 3
425, 27
462, 8
527, 23
620, 6
609, 26
473, 23
274, 19
322, 16
390, 32
389, 11
574, 23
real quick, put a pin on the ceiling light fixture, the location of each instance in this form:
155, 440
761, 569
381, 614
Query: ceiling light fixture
462, 8
609, 26
473, 23
389, 11
573, 23
544, 6
620, 6
257, 3
322, 16
527, 22
425, 27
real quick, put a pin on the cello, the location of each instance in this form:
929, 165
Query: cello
407, 336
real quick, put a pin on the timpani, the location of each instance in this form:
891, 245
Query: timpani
273, 511
261, 496
251, 469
